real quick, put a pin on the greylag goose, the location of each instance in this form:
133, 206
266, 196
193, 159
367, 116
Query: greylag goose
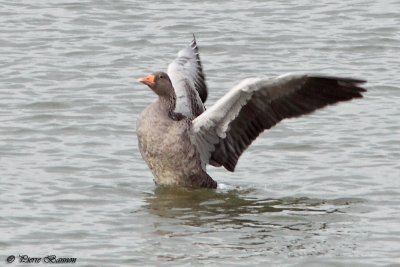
178, 137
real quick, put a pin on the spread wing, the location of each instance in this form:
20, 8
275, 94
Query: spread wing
187, 77
226, 129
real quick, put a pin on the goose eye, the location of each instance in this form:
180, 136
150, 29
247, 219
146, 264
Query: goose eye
161, 76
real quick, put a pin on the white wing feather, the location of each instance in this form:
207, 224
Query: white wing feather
185, 73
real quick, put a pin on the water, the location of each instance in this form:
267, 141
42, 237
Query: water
322, 190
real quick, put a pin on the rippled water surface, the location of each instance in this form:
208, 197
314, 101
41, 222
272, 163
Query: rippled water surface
322, 190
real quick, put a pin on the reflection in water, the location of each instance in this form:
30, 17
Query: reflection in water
219, 220
199, 206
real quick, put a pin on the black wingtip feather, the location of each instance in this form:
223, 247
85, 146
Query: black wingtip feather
200, 84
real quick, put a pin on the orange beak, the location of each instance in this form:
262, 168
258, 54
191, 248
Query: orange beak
149, 80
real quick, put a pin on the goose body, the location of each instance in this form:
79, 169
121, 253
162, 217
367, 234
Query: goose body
165, 145
178, 137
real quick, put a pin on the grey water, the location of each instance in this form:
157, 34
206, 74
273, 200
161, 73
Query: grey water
321, 190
